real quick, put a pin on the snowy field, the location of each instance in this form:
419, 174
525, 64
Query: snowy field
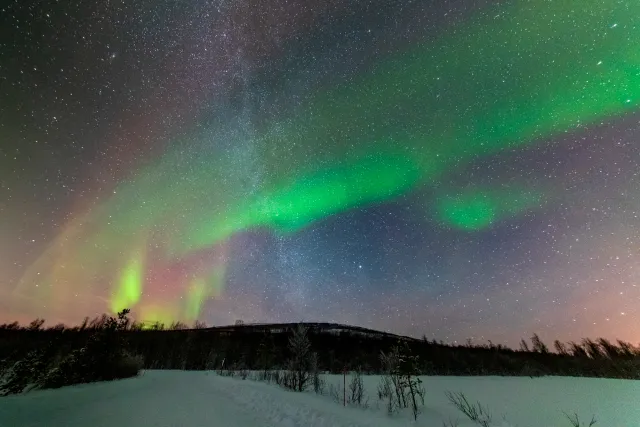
190, 399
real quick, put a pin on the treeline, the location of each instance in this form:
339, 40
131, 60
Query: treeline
49, 360
265, 347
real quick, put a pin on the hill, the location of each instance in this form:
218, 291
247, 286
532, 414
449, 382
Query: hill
339, 347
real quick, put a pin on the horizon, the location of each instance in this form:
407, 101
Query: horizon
198, 325
458, 171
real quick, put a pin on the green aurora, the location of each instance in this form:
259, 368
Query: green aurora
479, 208
504, 80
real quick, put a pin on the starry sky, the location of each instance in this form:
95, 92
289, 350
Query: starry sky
453, 168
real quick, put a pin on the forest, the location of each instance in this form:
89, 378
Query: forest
264, 347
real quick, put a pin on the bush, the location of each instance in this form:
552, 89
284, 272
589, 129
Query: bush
335, 393
474, 411
102, 358
128, 366
356, 390
22, 374
385, 392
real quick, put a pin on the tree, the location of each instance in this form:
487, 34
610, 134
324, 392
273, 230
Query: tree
199, 325
401, 380
84, 324
58, 327
409, 371
13, 326
560, 347
266, 354
538, 345
104, 357
577, 350
626, 349
299, 365
36, 324
610, 349
593, 349
178, 326
391, 383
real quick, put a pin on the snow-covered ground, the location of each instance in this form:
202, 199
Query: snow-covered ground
190, 399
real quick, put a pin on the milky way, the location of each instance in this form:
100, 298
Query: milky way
449, 168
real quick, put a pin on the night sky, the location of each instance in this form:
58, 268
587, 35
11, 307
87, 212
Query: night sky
458, 169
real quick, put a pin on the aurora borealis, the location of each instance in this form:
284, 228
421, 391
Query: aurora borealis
449, 168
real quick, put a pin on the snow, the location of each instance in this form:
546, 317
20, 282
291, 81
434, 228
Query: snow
190, 399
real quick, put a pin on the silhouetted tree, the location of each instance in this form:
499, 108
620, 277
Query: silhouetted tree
593, 349
626, 349
538, 345
608, 349
58, 327
577, 350
199, 325
177, 326
560, 347
36, 324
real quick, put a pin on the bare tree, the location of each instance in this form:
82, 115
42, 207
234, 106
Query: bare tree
577, 350
356, 389
560, 347
626, 349
199, 325
390, 365
299, 364
538, 345
593, 349
401, 381
409, 374
609, 349
178, 326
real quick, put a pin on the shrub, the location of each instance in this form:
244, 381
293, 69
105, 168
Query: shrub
575, 421
474, 411
23, 373
92, 363
103, 358
128, 366
401, 381
335, 394
356, 390
385, 392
